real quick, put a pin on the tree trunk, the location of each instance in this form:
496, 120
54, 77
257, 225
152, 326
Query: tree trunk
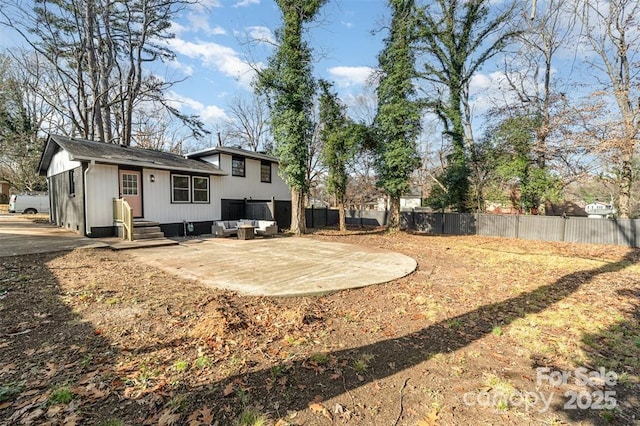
298, 220
394, 213
342, 220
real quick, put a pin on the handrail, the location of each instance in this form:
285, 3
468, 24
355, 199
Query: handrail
122, 212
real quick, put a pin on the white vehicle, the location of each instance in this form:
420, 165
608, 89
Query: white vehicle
30, 204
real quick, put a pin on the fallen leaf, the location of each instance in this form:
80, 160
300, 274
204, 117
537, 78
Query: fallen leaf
71, 420
54, 410
431, 419
228, 390
318, 408
167, 418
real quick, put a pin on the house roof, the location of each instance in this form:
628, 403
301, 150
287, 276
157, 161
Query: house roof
106, 153
232, 151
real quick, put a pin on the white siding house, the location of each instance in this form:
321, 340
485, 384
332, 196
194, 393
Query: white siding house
85, 177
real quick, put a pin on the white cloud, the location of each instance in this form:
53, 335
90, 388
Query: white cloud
262, 34
178, 28
480, 82
347, 24
184, 68
213, 114
348, 76
208, 4
208, 113
200, 22
245, 3
216, 56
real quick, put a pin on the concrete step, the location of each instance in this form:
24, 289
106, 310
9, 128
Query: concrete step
146, 229
144, 223
147, 235
127, 245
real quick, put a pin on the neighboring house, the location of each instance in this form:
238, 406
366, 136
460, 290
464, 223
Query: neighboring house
407, 202
85, 177
600, 210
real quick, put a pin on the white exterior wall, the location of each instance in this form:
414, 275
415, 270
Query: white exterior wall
101, 188
60, 162
157, 206
236, 187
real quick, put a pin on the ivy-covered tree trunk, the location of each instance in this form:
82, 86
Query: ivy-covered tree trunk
397, 122
341, 139
289, 87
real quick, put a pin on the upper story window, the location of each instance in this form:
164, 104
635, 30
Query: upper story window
237, 166
265, 171
180, 189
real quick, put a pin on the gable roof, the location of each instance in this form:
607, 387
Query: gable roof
232, 151
106, 153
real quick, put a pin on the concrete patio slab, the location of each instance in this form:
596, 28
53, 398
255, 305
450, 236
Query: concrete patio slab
20, 236
279, 266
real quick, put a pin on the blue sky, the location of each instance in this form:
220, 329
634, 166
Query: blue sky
216, 40
214, 43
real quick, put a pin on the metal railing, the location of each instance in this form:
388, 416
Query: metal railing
123, 213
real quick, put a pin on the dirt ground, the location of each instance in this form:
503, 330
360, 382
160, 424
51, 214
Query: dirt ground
486, 331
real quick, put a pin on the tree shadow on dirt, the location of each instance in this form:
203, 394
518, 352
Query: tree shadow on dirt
48, 354
389, 357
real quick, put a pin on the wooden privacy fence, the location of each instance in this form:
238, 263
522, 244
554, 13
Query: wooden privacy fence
545, 228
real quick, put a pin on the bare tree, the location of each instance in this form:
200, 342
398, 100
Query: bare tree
100, 50
610, 29
248, 123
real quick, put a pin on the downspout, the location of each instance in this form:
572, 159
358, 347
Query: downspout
87, 228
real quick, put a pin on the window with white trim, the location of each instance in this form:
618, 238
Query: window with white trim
200, 189
180, 189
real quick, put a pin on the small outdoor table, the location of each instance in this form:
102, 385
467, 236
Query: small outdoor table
246, 232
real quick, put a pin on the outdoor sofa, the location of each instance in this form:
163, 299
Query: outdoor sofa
227, 228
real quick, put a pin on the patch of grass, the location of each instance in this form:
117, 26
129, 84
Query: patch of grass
361, 364
454, 323
278, 371
607, 415
243, 396
61, 395
250, 417
177, 403
203, 362
497, 331
501, 390
319, 358
181, 366
9, 390
295, 341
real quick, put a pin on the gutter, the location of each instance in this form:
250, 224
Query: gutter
87, 228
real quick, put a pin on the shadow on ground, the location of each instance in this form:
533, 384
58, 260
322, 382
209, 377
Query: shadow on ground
56, 350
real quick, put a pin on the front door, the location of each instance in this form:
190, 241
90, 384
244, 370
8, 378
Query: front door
131, 190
